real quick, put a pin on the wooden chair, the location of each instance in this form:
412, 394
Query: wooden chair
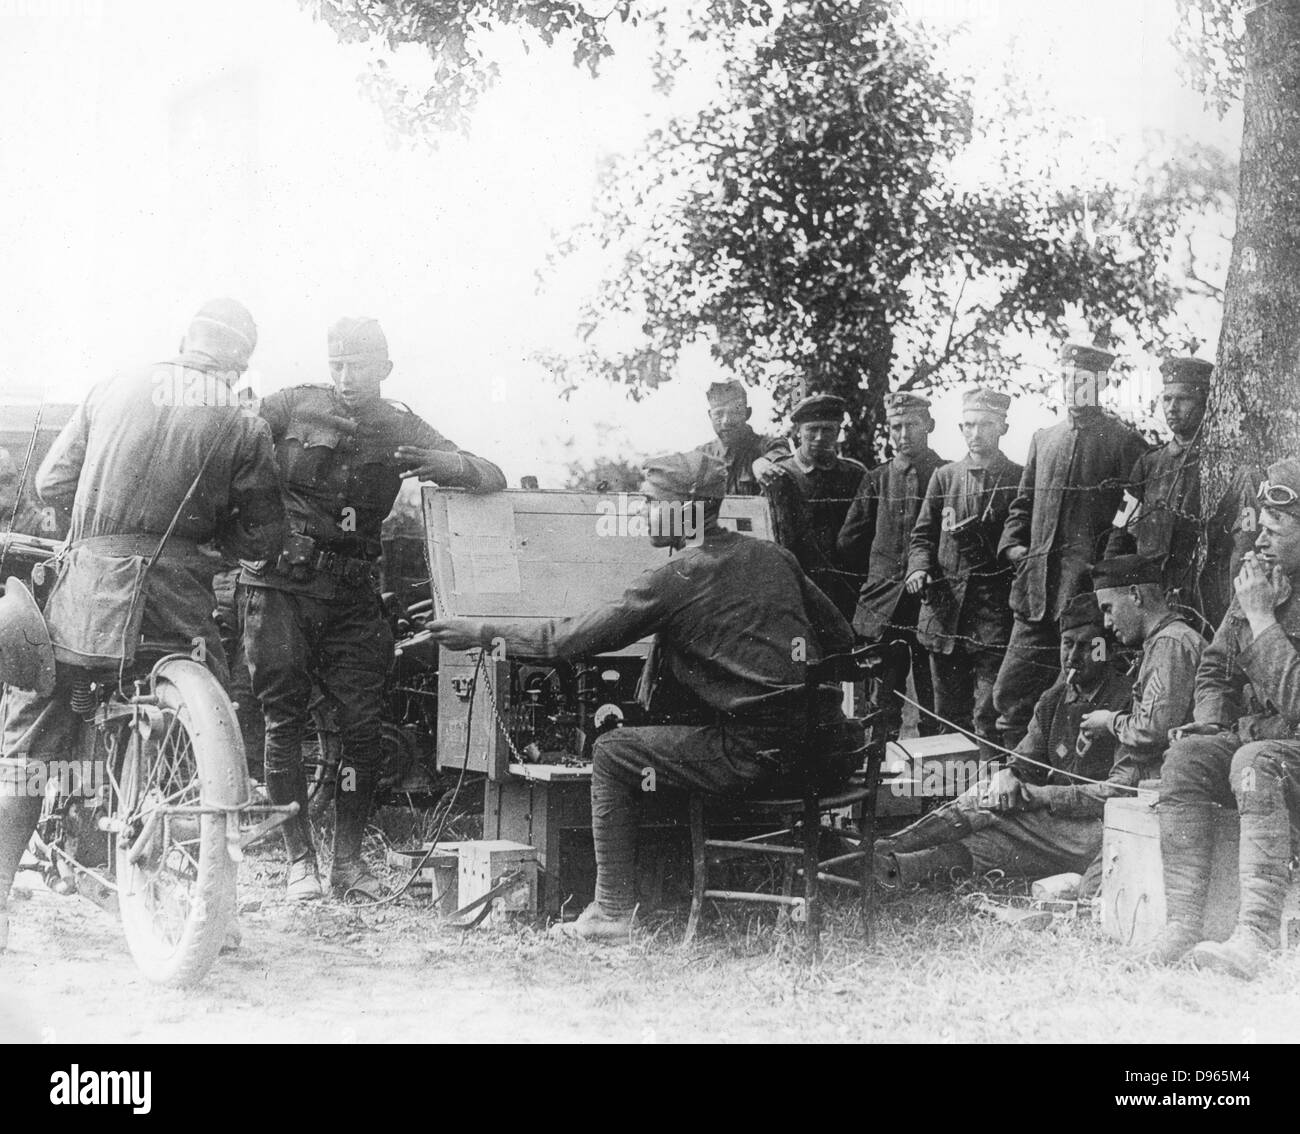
797, 840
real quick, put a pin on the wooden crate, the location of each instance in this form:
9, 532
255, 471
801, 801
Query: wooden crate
438, 875
1132, 881
483, 865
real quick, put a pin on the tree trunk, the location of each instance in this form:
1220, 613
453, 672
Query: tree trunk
1254, 411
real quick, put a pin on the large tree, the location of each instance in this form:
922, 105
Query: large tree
1254, 413
811, 226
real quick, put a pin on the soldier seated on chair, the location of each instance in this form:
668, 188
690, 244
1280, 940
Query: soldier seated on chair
736, 621
1032, 821
1241, 750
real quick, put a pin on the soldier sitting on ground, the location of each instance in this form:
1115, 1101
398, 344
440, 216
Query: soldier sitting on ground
1030, 820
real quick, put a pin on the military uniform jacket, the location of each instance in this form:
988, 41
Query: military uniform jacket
1163, 694
739, 459
122, 466
877, 534
968, 591
341, 476
1166, 524
1072, 486
1053, 734
1252, 685
824, 496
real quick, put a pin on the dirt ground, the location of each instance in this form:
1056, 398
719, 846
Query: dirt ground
325, 973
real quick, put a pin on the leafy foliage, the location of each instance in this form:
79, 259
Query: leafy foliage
604, 474
453, 32
814, 225
1210, 38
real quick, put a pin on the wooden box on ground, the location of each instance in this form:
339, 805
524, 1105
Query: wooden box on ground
486, 863
920, 772
438, 875
1132, 881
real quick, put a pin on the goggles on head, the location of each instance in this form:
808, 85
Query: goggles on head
1277, 495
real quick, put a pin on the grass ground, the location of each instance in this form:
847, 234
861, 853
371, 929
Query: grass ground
324, 972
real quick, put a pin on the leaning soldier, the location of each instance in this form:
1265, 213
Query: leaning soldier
874, 542
122, 468
952, 564
1059, 522
1240, 750
1091, 737
827, 484
1164, 520
313, 613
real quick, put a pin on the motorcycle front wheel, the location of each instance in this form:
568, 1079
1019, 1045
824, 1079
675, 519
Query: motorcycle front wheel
176, 879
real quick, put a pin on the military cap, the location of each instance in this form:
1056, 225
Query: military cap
1084, 356
1082, 610
722, 393
223, 329
986, 400
1280, 491
902, 400
1125, 571
1187, 372
819, 407
685, 476
353, 339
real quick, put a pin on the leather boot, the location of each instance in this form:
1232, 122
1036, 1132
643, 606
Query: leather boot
943, 825
18, 817
898, 870
1264, 873
348, 874
1186, 848
302, 878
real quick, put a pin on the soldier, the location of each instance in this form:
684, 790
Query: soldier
874, 541
1164, 520
1034, 820
827, 485
727, 613
1059, 523
123, 467
952, 563
749, 457
1240, 751
314, 612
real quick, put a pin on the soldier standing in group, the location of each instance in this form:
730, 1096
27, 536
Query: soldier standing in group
952, 563
1165, 521
314, 613
827, 484
874, 541
1059, 523
122, 468
748, 457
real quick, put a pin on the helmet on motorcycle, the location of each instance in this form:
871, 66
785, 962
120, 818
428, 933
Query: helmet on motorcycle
26, 655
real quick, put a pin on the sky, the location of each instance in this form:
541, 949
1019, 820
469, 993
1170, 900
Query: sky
157, 154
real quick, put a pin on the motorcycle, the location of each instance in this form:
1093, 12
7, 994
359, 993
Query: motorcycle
151, 817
